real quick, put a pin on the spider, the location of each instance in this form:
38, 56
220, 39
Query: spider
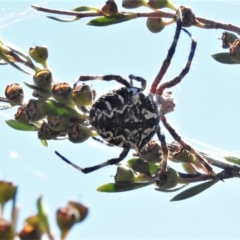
129, 118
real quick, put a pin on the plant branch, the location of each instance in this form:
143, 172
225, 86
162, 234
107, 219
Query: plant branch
207, 23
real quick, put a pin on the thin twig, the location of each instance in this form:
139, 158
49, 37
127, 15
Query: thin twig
209, 24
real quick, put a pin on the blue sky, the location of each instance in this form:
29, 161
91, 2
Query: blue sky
206, 115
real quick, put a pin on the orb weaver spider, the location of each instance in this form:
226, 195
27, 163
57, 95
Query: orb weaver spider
129, 118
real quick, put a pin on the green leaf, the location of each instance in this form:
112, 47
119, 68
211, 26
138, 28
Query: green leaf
64, 20
109, 20
86, 9
139, 165
13, 64
43, 218
53, 108
43, 92
190, 192
172, 189
44, 142
121, 187
223, 58
21, 126
234, 160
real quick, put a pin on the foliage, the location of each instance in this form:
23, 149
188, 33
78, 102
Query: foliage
60, 111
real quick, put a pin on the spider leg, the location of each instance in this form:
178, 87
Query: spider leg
161, 176
138, 79
168, 59
177, 138
103, 142
111, 161
117, 78
185, 70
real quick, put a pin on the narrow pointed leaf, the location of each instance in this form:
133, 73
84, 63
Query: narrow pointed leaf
43, 218
86, 9
5, 107
223, 58
44, 142
152, 167
20, 125
40, 91
121, 187
190, 192
63, 20
234, 160
172, 189
109, 20
13, 64
53, 108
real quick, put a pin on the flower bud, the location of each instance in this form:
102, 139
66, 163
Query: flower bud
78, 132
234, 51
139, 165
124, 174
39, 54
43, 79
152, 152
161, 4
58, 123
5, 229
21, 115
155, 25
14, 93
129, 4
7, 192
46, 133
110, 8
188, 17
33, 112
171, 181
83, 95
227, 39
62, 92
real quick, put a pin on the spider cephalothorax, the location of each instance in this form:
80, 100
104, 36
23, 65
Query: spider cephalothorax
129, 118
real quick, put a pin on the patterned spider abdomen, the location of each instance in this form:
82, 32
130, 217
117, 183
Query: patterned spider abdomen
125, 117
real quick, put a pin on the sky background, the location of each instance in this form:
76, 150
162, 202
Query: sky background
206, 115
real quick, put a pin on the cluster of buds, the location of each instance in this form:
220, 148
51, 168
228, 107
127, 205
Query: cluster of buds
37, 225
56, 110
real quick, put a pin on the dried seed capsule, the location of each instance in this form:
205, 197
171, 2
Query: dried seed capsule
33, 112
78, 132
39, 54
227, 39
110, 8
58, 123
83, 95
5, 229
234, 51
188, 17
14, 93
62, 92
7, 192
161, 4
21, 115
129, 4
46, 133
43, 79
68, 216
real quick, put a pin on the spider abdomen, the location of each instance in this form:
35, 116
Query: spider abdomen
125, 117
